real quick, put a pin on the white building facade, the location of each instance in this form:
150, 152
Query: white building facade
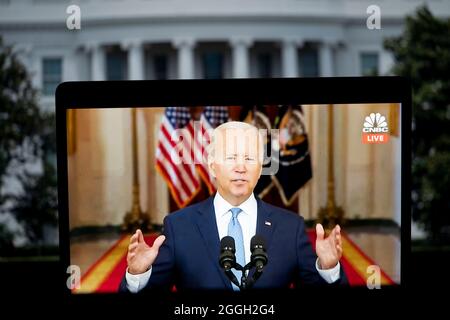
152, 39
179, 39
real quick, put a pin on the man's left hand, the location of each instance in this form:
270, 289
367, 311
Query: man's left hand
329, 249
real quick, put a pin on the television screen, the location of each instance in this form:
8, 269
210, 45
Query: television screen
246, 196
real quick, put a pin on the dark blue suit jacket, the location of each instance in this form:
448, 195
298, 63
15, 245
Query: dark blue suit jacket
189, 257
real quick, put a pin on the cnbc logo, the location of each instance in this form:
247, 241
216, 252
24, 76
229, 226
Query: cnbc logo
375, 129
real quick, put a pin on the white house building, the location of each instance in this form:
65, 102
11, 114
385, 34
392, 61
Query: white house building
151, 39
154, 39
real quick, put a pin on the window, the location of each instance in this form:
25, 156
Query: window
264, 65
309, 63
369, 63
160, 65
116, 65
51, 75
213, 65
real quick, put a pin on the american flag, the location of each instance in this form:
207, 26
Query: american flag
175, 155
210, 119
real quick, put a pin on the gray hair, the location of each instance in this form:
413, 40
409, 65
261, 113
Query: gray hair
234, 125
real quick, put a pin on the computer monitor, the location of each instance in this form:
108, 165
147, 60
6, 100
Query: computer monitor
130, 153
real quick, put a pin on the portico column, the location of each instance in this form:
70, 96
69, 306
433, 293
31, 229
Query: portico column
289, 57
185, 47
326, 59
240, 57
97, 61
135, 59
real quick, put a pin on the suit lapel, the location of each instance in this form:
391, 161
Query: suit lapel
207, 225
265, 226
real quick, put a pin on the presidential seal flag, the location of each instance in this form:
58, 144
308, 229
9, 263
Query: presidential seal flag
294, 157
289, 149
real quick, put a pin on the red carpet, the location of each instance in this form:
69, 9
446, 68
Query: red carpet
105, 274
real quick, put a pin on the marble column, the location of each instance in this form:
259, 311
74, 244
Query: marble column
97, 61
289, 57
185, 47
326, 59
240, 57
135, 59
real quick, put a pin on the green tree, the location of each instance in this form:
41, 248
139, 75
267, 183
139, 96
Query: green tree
422, 54
27, 137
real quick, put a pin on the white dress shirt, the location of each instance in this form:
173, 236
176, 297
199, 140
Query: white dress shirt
247, 219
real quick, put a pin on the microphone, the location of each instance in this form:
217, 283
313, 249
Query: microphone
259, 255
227, 258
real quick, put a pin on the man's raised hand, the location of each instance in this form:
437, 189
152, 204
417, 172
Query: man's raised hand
140, 255
329, 249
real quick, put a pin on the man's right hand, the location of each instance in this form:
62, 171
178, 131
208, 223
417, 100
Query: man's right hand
140, 255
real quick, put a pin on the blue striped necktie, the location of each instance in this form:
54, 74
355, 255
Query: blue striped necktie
235, 231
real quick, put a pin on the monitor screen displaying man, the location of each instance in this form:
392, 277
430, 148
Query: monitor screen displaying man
187, 254
270, 184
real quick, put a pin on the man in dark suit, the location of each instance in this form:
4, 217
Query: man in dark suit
187, 254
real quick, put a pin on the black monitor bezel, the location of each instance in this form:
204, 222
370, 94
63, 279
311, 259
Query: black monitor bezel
332, 90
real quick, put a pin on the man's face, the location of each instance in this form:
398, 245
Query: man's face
236, 166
